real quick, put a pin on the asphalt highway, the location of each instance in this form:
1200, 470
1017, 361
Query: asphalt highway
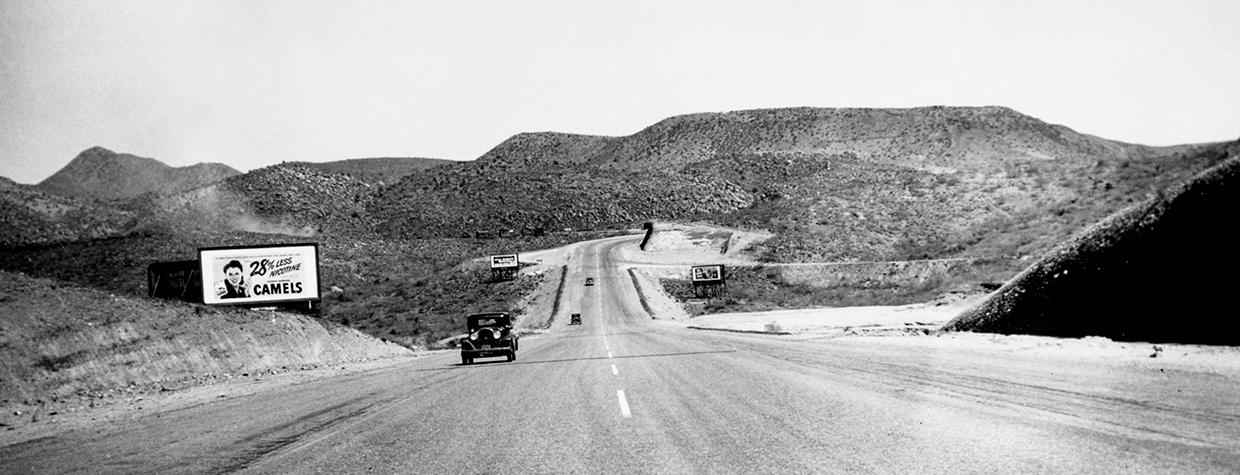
623, 393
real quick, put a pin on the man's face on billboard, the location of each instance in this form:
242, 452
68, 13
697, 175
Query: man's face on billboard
233, 274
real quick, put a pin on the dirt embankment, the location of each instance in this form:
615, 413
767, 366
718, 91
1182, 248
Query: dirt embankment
1162, 270
65, 346
754, 286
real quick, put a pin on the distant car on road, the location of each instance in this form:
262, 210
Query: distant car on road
490, 334
575, 319
589, 281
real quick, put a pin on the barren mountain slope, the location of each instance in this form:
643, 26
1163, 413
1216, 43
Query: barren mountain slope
540, 149
460, 199
384, 170
50, 349
99, 173
28, 215
834, 184
1161, 270
288, 198
978, 138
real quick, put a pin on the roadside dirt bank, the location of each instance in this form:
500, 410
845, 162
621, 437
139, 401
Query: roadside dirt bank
52, 418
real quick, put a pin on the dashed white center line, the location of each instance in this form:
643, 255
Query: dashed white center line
624, 404
609, 354
614, 371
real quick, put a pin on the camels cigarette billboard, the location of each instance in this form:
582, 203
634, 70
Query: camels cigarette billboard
504, 261
259, 274
706, 274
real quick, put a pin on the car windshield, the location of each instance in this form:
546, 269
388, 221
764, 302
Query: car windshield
480, 321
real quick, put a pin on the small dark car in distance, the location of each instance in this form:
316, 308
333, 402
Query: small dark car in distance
589, 281
490, 334
574, 319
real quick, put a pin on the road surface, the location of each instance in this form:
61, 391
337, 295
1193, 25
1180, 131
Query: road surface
623, 393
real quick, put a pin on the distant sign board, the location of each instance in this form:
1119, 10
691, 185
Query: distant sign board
706, 274
259, 274
504, 261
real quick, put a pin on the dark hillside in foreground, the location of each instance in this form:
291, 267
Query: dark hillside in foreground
101, 174
1163, 271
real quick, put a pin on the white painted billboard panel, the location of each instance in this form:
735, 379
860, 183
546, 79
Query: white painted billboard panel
262, 274
706, 273
504, 261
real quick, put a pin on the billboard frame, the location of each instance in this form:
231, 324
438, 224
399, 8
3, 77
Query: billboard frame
709, 288
505, 272
318, 276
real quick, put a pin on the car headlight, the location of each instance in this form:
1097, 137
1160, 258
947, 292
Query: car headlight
473, 336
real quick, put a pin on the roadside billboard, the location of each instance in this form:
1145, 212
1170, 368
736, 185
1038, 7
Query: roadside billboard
504, 261
259, 274
706, 274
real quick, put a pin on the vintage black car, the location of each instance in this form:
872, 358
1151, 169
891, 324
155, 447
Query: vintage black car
574, 319
490, 334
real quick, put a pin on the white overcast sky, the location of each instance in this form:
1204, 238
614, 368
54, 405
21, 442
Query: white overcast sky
252, 83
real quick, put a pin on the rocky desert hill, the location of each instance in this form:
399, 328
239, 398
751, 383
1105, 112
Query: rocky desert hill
1161, 270
288, 198
833, 184
101, 174
958, 137
28, 215
378, 171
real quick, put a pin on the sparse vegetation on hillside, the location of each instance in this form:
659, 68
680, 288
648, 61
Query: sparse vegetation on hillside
28, 215
375, 171
837, 185
456, 200
759, 288
51, 351
833, 184
410, 291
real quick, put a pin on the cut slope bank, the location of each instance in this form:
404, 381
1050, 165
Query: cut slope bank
1160, 271
62, 343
